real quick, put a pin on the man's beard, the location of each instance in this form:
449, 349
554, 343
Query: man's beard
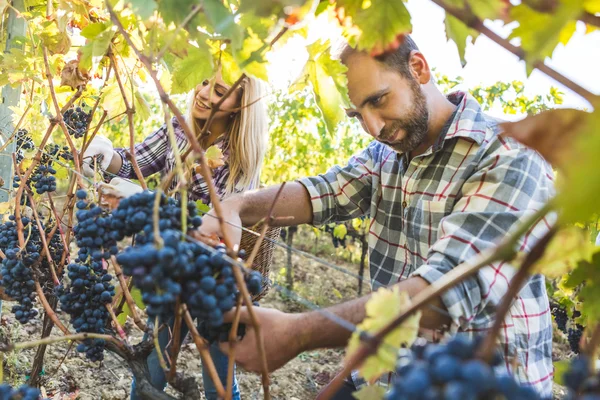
415, 124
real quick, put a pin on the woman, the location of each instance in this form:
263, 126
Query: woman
239, 130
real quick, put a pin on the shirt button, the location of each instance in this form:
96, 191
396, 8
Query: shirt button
404, 204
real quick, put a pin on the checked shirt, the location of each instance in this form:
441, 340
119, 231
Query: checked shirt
442, 208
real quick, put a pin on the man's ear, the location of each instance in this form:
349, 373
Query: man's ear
419, 67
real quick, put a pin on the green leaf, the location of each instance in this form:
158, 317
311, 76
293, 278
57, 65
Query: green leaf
201, 207
57, 41
457, 31
487, 9
191, 70
340, 231
230, 70
370, 392
383, 306
329, 83
222, 20
175, 11
380, 21
144, 8
560, 367
541, 32
93, 30
251, 57
578, 192
96, 48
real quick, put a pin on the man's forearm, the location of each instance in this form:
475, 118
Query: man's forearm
316, 330
293, 205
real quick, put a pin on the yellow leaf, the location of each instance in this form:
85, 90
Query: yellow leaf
569, 246
214, 157
337, 293
5, 207
370, 392
383, 306
340, 231
592, 6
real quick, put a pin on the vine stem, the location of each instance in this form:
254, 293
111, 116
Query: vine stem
127, 294
202, 346
48, 309
486, 350
260, 343
472, 21
61, 233
129, 110
176, 339
232, 341
85, 141
59, 113
69, 337
45, 251
505, 251
161, 358
118, 326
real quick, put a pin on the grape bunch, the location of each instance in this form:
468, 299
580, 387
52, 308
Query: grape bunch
76, 121
44, 179
560, 316
574, 336
24, 392
54, 151
451, 371
85, 301
573, 330
95, 237
16, 271
90, 289
24, 142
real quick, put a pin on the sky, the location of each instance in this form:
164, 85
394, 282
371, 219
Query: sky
486, 61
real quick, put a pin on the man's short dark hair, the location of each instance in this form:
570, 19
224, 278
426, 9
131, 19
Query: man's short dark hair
396, 60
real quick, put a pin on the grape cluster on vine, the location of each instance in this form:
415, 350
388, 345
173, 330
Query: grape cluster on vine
452, 371
24, 392
24, 142
76, 120
90, 289
573, 330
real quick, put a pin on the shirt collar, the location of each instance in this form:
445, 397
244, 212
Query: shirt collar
468, 121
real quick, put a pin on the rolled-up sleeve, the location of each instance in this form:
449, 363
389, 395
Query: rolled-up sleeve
150, 155
342, 193
509, 185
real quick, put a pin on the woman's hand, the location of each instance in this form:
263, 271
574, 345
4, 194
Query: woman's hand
99, 146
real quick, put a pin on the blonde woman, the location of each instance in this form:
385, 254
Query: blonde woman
239, 130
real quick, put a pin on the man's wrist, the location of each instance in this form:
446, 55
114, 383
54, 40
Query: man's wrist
302, 332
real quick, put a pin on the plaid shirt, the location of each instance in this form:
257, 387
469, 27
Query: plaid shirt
155, 154
442, 208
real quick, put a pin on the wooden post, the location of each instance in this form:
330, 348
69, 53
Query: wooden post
10, 97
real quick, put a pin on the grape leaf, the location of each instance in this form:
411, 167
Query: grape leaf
251, 57
222, 20
143, 8
201, 207
370, 392
457, 31
592, 6
230, 70
560, 367
329, 83
541, 32
340, 231
191, 70
566, 249
380, 21
214, 157
175, 10
96, 47
55, 40
384, 305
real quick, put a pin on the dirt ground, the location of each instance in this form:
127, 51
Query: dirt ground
68, 375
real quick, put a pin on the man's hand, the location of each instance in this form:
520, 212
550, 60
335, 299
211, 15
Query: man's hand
281, 339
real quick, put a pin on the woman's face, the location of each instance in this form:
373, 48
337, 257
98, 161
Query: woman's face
206, 98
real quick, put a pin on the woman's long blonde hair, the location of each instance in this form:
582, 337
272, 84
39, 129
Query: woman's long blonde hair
247, 135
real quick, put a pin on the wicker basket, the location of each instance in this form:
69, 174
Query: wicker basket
264, 257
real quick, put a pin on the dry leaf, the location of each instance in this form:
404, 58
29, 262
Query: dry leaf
551, 133
72, 76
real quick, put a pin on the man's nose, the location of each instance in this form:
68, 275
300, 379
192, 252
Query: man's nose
372, 124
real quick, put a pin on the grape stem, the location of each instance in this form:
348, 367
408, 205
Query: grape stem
176, 339
505, 251
161, 358
232, 341
129, 110
127, 294
202, 346
118, 326
488, 346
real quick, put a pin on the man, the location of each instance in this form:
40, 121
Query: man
440, 186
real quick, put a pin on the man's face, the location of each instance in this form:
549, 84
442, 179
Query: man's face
390, 107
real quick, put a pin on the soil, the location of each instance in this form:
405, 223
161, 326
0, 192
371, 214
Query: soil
68, 375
